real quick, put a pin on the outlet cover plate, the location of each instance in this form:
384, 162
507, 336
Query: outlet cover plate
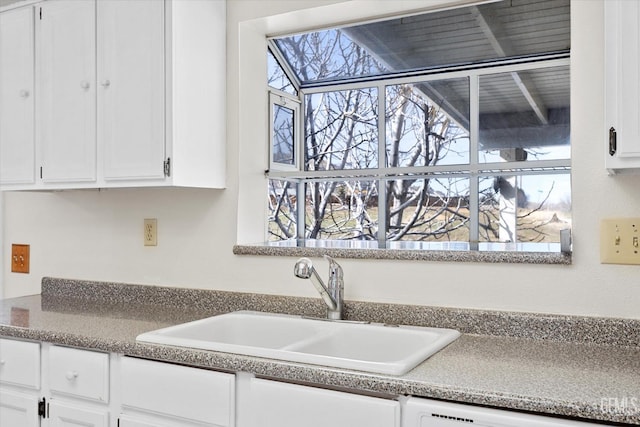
151, 232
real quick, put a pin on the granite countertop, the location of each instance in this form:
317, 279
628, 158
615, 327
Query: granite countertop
597, 378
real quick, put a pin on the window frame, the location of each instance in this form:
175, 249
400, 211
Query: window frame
474, 170
285, 100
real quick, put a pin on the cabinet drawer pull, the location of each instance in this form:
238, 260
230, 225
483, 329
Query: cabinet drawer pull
71, 375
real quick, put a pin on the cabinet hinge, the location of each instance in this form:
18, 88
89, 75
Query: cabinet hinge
613, 141
40, 13
42, 408
167, 167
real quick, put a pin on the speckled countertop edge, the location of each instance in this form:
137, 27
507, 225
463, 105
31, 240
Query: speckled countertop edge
113, 293
408, 255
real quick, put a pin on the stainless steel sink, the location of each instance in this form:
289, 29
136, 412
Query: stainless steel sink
367, 347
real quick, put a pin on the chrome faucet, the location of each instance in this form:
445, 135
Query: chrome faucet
331, 294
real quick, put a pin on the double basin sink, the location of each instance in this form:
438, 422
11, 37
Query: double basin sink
369, 347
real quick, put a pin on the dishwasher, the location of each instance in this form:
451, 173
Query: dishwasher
420, 412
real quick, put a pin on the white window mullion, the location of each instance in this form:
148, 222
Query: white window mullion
382, 163
301, 194
301, 206
474, 130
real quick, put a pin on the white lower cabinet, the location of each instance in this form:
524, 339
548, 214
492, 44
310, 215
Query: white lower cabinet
78, 383
276, 404
164, 394
45, 385
19, 383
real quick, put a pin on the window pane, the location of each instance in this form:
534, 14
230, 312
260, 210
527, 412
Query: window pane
276, 78
428, 123
341, 130
342, 210
428, 209
326, 55
462, 35
530, 209
282, 203
283, 150
524, 115
547, 209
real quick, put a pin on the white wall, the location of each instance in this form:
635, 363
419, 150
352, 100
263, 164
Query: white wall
97, 235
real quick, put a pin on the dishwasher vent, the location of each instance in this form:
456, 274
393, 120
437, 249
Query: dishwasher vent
452, 418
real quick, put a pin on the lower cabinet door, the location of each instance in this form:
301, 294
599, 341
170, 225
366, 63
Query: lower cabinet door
62, 414
17, 409
180, 393
276, 404
154, 421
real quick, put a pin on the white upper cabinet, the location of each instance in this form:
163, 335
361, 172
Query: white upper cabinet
66, 91
128, 94
17, 138
622, 85
131, 89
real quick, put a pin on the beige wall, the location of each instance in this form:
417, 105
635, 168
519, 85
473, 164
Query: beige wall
97, 234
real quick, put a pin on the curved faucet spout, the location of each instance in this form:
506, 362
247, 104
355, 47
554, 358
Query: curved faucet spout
331, 294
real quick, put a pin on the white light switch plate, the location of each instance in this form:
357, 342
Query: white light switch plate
620, 241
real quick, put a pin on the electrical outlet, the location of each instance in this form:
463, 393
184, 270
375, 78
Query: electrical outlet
620, 241
19, 258
151, 232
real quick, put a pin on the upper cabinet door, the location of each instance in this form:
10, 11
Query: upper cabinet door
65, 54
622, 84
131, 88
17, 108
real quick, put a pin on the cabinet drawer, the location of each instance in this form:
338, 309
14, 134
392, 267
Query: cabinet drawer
20, 363
79, 373
180, 391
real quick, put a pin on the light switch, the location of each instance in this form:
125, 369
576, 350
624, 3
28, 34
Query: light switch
619, 241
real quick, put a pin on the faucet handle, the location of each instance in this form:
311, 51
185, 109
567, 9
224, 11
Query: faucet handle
335, 270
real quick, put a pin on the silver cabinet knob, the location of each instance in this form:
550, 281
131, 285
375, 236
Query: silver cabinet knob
85, 85
24, 93
105, 84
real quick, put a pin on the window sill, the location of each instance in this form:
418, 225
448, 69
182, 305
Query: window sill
266, 249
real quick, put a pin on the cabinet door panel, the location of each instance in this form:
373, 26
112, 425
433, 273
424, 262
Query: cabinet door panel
275, 404
17, 108
149, 420
17, 409
181, 392
622, 85
131, 88
66, 74
65, 415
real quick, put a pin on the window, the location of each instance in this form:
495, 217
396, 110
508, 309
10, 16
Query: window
447, 130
